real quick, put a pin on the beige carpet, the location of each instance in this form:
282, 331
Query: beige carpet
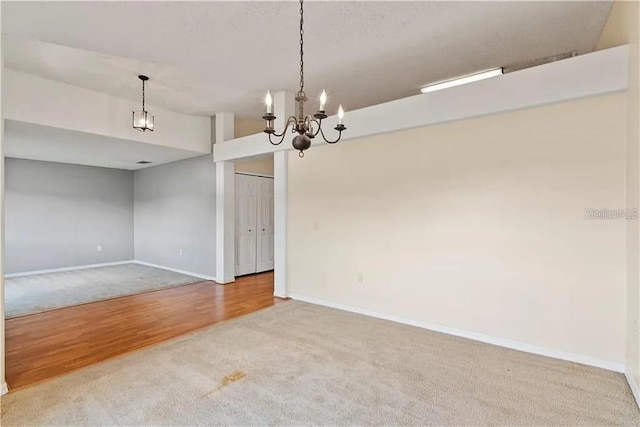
49, 291
299, 364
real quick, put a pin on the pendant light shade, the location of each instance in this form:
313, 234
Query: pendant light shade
142, 120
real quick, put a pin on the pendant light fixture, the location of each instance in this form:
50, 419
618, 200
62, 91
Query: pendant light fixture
303, 124
142, 120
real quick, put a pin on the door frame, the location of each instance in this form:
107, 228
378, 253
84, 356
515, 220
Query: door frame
225, 198
225, 218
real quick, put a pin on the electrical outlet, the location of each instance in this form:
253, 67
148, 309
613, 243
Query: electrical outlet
181, 252
99, 248
360, 277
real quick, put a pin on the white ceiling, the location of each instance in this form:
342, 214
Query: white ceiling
205, 57
36, 142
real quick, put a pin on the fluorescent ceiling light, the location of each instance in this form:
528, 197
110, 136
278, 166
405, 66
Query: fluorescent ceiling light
462, 80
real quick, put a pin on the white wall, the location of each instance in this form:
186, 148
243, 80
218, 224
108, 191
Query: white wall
623, 27
244, 127
32, 99
476, 225
261, 166
57, 214
631, 10
175, 208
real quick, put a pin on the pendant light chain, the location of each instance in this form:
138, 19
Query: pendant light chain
301, 48
142, 95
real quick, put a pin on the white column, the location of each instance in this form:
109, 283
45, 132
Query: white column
225, 205
280, 193
284, 106
224, 127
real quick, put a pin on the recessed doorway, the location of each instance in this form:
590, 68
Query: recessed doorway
253, 224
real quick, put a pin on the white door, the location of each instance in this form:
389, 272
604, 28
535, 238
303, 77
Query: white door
246, 214
264, 255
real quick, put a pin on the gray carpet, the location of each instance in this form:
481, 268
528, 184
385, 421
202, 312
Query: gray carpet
299, 364
42, 292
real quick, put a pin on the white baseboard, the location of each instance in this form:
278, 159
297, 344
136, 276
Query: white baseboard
175, 270
635, 389
58, 270
4, 389
515, 345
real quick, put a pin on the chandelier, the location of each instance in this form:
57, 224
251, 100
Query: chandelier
142, 121
303, 124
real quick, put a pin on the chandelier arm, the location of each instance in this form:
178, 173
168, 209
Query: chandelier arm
278, 135
319, 123
308, 119
290, 120
328, 141
281, 136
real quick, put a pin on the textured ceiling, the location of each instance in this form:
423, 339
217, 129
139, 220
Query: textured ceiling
205, 57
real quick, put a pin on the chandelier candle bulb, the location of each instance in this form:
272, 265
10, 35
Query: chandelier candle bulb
323, 100
268, 100
340, 115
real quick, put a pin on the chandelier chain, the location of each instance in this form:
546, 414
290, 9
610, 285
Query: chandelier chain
301, 47
142, 95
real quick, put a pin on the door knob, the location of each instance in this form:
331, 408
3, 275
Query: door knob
263, 229
249, 229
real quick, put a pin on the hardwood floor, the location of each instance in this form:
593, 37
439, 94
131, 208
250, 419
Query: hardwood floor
44, 345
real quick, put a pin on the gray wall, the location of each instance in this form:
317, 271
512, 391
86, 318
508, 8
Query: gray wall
57, 214
175, 209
